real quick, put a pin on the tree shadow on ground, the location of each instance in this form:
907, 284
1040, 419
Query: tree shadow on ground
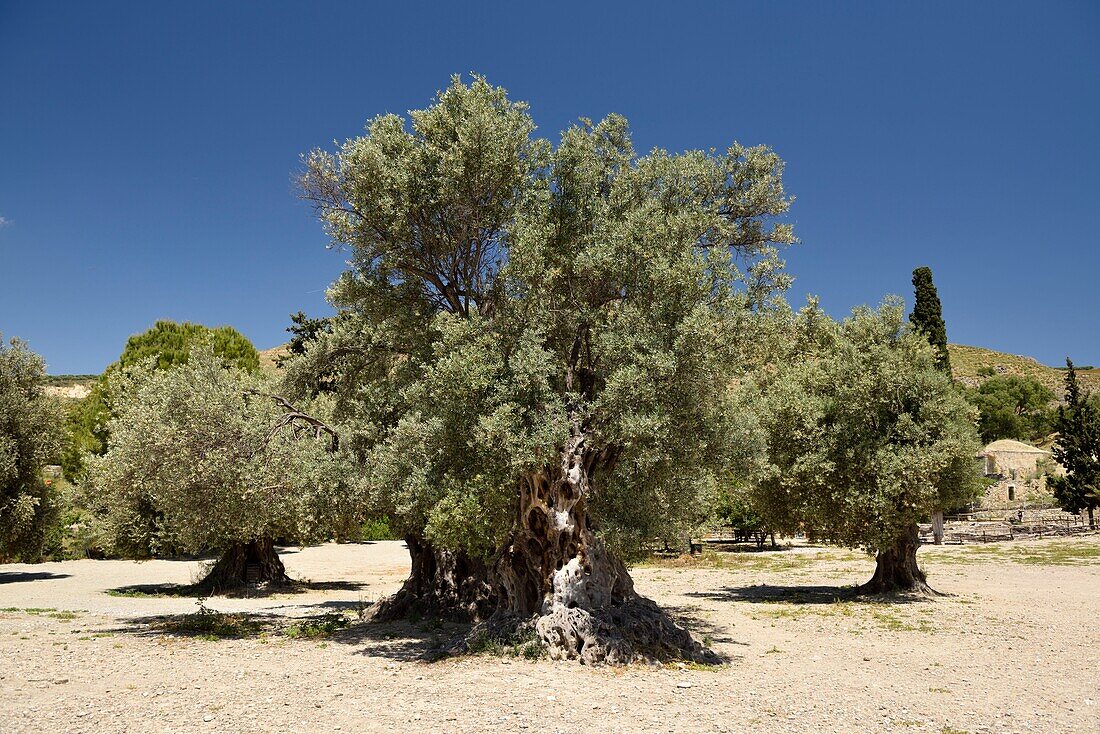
741, 546
762, 593
689, 619
399, 641
16, 577
425, 641
244, 592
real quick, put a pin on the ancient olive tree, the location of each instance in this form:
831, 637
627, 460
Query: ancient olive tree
221, 464
535, 348
864, 436
30, 437
1077, 448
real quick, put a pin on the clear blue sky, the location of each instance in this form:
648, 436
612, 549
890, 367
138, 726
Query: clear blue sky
147, 148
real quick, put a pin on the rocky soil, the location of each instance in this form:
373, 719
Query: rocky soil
1014, 649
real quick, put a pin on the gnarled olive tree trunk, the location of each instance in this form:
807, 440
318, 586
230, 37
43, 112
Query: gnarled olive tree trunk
896, 567
555, 572
442, 584
241, 564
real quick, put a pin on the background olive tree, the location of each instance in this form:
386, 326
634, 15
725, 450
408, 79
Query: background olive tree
535, 348
864, 436
219, 463
30, 437
164, 345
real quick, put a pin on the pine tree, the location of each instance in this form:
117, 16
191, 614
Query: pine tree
927, 316
1077, 448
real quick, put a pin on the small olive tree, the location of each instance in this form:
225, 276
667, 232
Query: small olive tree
219, 463
864, 436
30, 436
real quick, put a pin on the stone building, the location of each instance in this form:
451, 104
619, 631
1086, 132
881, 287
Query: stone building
1017, 471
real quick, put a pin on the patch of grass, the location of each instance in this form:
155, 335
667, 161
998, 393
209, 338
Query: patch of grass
521, 645
692, 665
763, 561
132, 593
789, 610
318, 627
63, 615
939, 690
210, 625
893, 623
1053, 553
952, 730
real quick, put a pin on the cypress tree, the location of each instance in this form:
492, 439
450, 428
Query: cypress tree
1077, 448
927, 316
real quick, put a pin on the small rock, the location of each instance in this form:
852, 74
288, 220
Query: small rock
683, 684
208, 718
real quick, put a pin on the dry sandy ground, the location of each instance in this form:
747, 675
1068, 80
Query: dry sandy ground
1013, 650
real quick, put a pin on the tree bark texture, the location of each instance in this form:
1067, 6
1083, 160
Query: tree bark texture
442, 584
556, 572
241, 564
896, 567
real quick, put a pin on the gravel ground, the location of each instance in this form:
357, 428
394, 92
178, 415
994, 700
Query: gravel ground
1013, 649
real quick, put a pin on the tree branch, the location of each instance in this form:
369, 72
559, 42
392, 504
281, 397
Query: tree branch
297, 419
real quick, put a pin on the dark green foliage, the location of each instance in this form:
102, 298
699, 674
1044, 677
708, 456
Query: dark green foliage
734, 509
30, 437
86, 428
169, 344
377, 529
927, 316
1077, 448
1013, 407
305, 331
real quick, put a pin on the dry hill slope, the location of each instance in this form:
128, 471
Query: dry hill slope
969, 363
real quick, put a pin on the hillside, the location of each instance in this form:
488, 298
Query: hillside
268, 358
969, 363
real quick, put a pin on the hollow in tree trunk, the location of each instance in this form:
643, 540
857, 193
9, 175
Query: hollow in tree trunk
442, 584
896, 567
242, 564
556, 576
